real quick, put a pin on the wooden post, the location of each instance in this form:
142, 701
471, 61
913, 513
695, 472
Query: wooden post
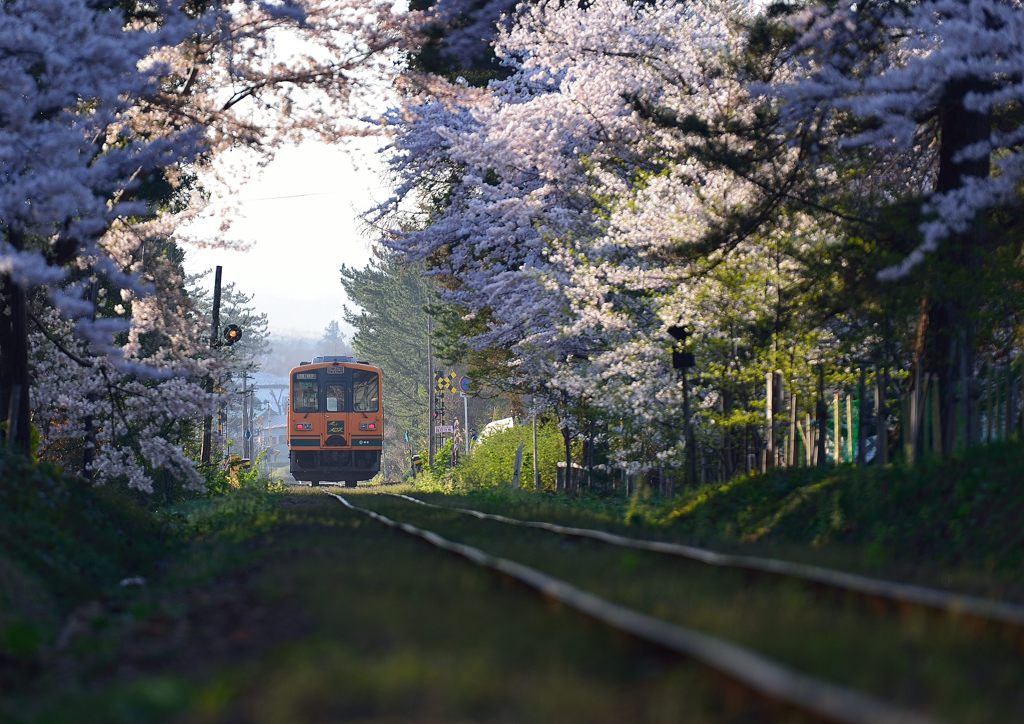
517, 470
849, 427
906, 427
861, 408
690, 472
791, 448
986, 408
802, 437
808, 441
837, 448
821, 411
881, 421
536, 465
769, 410
936, 417
1011, 402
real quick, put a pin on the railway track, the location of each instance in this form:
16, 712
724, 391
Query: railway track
956, 604
767, 678
956, 664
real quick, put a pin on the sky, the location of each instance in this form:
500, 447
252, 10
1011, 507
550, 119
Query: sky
300, 218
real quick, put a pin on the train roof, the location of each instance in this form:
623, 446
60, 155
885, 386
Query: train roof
326, 360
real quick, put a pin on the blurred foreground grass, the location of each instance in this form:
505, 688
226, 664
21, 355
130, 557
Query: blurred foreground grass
286, 608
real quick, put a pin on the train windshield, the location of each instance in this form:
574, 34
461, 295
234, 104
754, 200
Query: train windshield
365, 392
335, 396
305, 392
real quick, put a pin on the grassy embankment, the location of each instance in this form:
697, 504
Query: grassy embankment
953, 523
944, 666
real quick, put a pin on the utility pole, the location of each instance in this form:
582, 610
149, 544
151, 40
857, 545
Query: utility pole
89, 448
465, 419
204, 456
683, 360
431, 447
536, 465
245, 417
690, 472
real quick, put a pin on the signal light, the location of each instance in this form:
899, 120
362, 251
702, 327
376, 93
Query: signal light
682, 359
232, 333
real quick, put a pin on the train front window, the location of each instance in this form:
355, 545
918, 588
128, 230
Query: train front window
305, 393
365, 392
335, 397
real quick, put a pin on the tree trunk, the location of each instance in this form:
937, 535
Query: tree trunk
14, 377
945, 330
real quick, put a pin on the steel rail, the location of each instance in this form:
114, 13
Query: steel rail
957, 604
757, 673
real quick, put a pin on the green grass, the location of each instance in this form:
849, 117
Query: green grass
949, 523
943, 665
62, 542
321, 615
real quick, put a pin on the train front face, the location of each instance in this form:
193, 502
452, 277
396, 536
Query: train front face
335, 422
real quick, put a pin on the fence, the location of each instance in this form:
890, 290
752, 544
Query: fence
877, 417
886, 417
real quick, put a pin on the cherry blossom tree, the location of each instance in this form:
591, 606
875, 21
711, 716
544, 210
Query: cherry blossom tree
69, 166
942, 79
104, 108
571, 207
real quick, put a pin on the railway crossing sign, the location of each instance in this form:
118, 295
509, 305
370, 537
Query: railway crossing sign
446, 382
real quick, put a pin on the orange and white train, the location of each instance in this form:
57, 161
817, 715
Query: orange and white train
335, 421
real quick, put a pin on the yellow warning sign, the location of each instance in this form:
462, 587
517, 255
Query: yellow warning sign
446, 382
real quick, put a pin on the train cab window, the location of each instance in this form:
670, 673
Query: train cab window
305, 395
365, 392
335, 397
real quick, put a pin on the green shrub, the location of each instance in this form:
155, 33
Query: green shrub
491, 461
240, 475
